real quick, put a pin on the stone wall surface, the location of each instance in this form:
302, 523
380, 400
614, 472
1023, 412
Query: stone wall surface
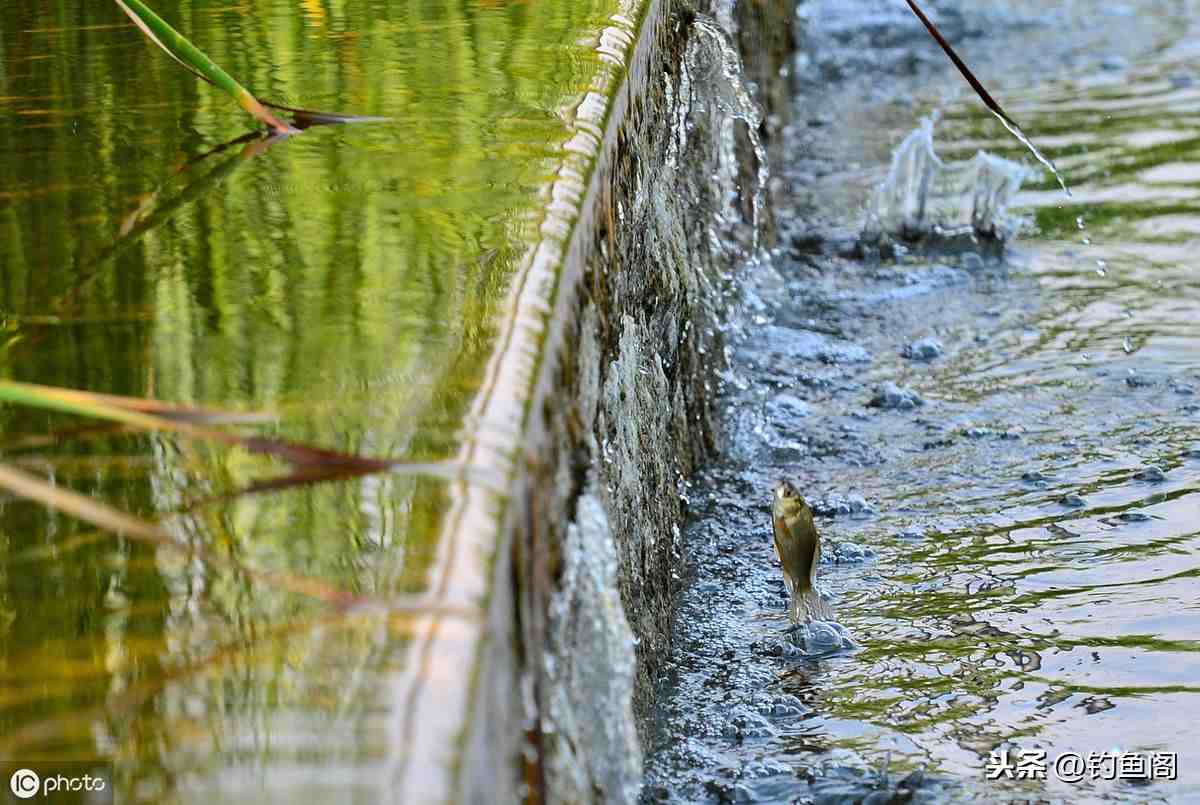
616, 346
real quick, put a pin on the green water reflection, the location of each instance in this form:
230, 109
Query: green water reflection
346, 281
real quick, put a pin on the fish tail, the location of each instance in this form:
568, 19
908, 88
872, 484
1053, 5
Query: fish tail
808, 605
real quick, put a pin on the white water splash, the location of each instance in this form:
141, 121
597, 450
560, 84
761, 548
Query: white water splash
924, 196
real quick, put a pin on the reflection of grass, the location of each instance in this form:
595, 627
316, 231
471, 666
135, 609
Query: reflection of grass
309, 464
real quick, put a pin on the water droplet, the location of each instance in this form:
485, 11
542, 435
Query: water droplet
1127, 345
1079, 221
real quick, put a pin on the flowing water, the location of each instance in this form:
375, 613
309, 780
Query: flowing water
1002, 446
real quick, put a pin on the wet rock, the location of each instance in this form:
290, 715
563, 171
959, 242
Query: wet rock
848, 553
777, 647
889, 396
1192, 452
775, 345
1009, 435
590, 667
782, 706
927, 349
842, 505
1072, 501
1035, 477
729, 792
845, 786
1151, 474
786, 408
1113, 64
748, 724
1183, 389
1136, 381
1133, 517
912, 534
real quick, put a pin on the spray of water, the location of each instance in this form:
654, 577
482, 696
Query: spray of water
986, 96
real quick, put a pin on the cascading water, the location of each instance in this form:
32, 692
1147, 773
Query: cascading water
714, 79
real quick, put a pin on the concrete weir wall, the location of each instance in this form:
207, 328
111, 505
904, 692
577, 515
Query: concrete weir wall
596, 407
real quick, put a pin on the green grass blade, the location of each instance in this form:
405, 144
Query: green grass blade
181, 50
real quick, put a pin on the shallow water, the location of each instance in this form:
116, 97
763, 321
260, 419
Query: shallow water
993, 608
344, 282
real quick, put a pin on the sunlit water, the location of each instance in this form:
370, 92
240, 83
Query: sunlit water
1025, 561
343, 282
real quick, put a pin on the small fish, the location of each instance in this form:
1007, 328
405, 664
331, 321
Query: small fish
798, 546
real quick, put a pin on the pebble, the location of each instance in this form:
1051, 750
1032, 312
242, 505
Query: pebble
927, 349
850, 552
892, 397
786, 408
1138, 382
1151, 474
839, 505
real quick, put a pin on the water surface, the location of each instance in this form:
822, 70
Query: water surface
343, 282
1028, 579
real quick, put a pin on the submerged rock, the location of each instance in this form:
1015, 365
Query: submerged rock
889, 396
842, 785
821, 638
840, 505
848, 553
785, 408
927, 349
780, 346
1151, 474
1136, 381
